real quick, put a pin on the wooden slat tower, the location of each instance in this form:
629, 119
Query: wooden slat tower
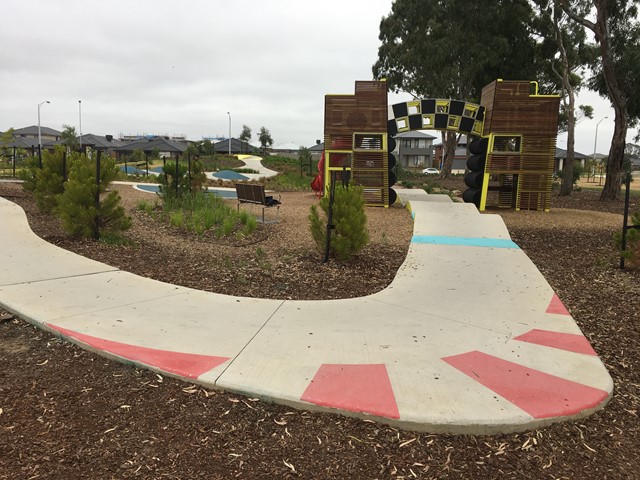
355, 139
522, 127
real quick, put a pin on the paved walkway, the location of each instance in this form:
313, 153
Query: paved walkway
254, 163
468, 338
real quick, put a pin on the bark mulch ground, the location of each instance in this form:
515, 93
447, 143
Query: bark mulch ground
66, 413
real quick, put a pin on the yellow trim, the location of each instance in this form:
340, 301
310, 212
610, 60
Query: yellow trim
414, 103
536, 90
371, 134
471, 108
443, 103
406, 128
432, 120
487, 176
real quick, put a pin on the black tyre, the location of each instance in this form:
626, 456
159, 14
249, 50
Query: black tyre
474, 179
393, 196
476, 163
472, 195
479, 145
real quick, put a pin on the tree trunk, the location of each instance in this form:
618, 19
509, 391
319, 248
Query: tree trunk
567, 169
612, 186
451, 141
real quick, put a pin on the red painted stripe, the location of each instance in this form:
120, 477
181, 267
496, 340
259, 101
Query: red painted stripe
556, 306
539, 394
184, 364
564, 341
355, 388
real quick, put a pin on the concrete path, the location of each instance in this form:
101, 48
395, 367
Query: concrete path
252, 162
468, 338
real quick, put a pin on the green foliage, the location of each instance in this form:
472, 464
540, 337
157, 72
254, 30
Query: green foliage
578, 171
632, 250
76, 206
245, 135
200, 212
452, 49
350, 234
47, 183
69, 137
178, 183
264, 137
290, 177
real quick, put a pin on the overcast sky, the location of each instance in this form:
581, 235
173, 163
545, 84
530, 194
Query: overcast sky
160, 67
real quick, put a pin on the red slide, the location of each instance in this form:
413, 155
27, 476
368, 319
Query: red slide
318, 183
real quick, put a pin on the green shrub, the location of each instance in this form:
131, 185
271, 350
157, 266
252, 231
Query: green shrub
200, 212
47, 183
632, 250
176, 184
350, 234
76, 206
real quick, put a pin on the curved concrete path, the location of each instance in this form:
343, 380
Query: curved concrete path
253, 162
468, 338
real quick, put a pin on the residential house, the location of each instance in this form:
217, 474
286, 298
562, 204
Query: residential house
459, 157
415, 150
561, 159
166, 148
237, 147
47, 134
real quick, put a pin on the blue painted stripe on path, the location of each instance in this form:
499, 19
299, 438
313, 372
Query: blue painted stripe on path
464, 241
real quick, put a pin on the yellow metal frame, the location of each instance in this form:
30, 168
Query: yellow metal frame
487, 175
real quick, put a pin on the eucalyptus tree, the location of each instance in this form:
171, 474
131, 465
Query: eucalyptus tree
264, 137
69, 137
564, 43
451, 49
245, 135
616, 28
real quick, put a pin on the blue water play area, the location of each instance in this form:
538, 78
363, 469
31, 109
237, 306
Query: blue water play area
221, 192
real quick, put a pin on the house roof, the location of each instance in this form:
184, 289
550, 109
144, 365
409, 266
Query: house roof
318, 147
148, 144
415, 134
560, 153
21, 142
98, 141
95, 141
33, 130
237, 146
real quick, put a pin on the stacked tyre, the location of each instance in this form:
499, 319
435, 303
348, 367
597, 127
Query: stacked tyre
475, 177
391, 146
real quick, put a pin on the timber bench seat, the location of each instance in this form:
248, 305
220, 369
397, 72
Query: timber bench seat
253, 193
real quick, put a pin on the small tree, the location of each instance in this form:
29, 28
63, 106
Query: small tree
77, 205
69, 137
265, 140
304, 157
245, 135
350, 234
47, 183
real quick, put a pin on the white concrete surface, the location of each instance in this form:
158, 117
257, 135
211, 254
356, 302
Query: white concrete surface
446, 300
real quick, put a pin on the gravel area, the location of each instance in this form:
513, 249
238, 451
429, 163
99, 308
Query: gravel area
66, 413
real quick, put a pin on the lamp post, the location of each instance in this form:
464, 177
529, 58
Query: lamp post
595, 144
229, 133
39, 134
80, 119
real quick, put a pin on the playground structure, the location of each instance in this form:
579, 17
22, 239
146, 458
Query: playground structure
511, 165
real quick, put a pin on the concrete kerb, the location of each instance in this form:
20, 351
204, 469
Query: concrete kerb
292, 352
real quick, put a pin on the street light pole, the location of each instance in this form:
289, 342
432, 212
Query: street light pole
595, 141
229, 133
595, 144
80, 118
39, 133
